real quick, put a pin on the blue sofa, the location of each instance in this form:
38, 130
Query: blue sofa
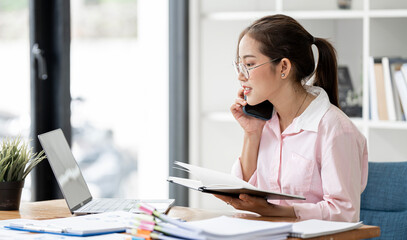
384, 201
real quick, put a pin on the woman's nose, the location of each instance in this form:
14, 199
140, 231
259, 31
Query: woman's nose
241, 77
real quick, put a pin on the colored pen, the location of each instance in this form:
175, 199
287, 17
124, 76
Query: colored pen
144, 217
152, 211
139, 233
175, 231
133, 238
141, 223
155, 235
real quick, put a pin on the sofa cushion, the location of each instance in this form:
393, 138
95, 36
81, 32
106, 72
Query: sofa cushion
386, 188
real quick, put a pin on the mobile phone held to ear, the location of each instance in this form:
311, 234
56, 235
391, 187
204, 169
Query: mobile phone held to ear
263, 110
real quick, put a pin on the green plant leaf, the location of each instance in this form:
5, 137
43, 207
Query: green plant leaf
17, 159
3, 173
10, 172
36, 158
4, 160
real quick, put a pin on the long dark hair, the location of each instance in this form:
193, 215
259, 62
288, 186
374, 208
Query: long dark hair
281, 36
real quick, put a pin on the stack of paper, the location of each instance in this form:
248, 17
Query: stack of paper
216, 228
236, 228
159, 226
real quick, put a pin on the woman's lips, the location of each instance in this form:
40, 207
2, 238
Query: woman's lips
247, 90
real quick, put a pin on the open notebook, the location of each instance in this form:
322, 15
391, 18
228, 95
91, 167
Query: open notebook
211, 181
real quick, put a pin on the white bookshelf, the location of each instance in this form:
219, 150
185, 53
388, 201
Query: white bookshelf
369, 28
324, 14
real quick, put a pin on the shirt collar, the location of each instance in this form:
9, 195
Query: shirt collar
310, 118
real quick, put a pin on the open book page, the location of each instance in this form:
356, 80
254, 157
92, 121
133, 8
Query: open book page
214, 182
190, 183
313, 228
212, 178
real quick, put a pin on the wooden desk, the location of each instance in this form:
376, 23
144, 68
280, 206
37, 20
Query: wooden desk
58, 209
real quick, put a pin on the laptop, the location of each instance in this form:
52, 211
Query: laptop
74, 187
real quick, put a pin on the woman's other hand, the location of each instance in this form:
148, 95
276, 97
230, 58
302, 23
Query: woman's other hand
258, 205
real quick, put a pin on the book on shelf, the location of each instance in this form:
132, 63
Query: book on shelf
403, 69
400, 77
395, 65
374, 114
401, 83
380, 91
385, 102
214, 182
391, 110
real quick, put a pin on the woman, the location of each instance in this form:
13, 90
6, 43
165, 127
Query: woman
309, 147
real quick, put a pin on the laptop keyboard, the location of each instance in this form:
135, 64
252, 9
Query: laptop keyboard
109, 205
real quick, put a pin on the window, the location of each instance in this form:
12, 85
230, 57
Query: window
119, 88
15, 73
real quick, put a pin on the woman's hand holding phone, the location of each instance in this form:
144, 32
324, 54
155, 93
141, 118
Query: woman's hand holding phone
248, 123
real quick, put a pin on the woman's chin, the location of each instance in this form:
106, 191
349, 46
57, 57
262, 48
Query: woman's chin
252, 102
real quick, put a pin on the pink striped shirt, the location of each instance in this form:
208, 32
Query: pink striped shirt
321, 156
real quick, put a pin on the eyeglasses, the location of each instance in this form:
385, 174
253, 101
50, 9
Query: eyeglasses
241, 68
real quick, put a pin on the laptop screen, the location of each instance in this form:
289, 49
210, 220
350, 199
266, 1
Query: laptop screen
65, 168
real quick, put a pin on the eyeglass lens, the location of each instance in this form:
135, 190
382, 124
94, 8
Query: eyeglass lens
241, 68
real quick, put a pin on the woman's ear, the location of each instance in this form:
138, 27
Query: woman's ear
285, 69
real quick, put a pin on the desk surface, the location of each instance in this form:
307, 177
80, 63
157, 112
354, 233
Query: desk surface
59, 209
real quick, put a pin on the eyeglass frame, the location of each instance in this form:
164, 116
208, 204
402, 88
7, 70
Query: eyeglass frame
240, 65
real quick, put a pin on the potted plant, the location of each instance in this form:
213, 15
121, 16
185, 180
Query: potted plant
16, 162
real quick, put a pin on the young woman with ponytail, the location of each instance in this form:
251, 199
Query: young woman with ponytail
309, 147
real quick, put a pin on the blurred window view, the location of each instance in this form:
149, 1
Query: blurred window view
119, 88
15, 73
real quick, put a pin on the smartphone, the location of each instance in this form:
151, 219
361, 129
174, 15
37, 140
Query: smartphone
263, 111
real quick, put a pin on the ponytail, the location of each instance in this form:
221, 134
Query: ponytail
326, 74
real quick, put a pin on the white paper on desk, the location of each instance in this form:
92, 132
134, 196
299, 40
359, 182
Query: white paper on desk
83, 225
237, 228
7, 233
43, 236
314, 228
10, 234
